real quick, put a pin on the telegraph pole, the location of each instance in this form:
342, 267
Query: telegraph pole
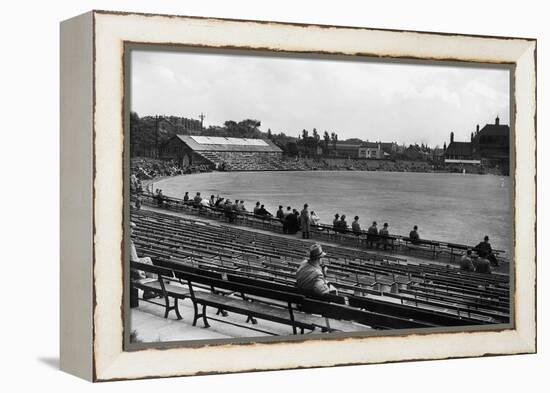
157, 130
202, 116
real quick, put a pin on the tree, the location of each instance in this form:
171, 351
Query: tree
334, 138
326, 137
134, 137
247, 128
292, 148
304, 134
269, 134
316, 135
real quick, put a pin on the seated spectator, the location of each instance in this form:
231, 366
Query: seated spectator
138, 202
228, 210
133, 182
355, 226
241, 206
485, 248
212, 201
335, 222
343, 224
263, 212
219, 201
372, 235
197, 200
160, 198
256, 208
204, 203
315, 219
186, 196
384, 233
310, 276
280, 213
414, 236
482, 264
466, 263
139, 274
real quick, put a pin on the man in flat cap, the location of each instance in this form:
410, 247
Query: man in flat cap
310, 276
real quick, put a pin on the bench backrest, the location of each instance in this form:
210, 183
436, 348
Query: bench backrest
220, 281
372, 319
247, 283
172, 265
408, 312
281, 287
161, 271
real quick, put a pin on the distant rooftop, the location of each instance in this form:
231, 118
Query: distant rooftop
216, 140
214, 143
459, 149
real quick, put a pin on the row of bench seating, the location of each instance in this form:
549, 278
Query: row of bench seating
258, 299
297, 248
428, 248
432, 287
256, 239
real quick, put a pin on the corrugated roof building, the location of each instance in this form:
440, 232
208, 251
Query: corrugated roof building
222, 152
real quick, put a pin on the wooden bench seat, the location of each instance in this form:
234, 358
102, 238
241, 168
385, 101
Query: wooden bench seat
275, 314
159, 286
354, 272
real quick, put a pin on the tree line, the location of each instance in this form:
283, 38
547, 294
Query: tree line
149, 133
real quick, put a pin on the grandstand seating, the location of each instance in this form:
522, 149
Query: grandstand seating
269, 161
251, 161
430, 293
436, 250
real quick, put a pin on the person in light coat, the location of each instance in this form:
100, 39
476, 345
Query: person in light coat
305, 222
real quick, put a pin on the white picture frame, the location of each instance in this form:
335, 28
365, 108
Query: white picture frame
92, 194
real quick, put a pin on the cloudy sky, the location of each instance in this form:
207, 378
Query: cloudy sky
369, 100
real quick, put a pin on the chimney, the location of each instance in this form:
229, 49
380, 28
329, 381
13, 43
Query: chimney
497, 121
452, 137
471, 137
477, 128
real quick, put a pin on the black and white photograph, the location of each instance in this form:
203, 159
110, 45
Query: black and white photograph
285, 195
250, 196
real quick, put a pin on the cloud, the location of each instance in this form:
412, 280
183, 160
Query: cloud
371, 100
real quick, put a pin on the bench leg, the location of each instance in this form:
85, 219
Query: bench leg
167, 307
176, 309
196, 315
222, 312
202, 314
204, 320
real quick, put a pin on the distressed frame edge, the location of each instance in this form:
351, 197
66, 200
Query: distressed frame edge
76, 207
528, 340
